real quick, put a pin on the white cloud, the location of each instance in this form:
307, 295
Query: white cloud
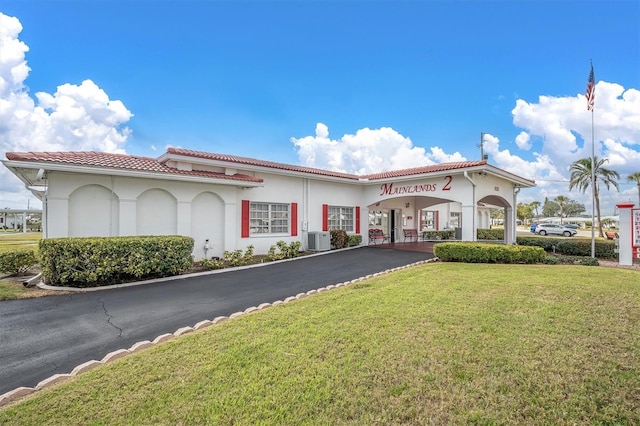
366, 151
523, 141
564, 128
74, 118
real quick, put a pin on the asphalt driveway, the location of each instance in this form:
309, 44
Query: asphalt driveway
45, 336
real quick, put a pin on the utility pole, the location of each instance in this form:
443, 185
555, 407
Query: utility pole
482, 156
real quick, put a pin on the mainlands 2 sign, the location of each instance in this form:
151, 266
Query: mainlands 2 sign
391, 189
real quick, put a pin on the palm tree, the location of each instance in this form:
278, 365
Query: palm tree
581, 178
534, 206
635, 177
562, 201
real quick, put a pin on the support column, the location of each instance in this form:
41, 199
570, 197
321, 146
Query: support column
469, 226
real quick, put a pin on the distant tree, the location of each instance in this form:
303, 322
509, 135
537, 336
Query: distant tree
550, 208
524, 211
635, 177
581, 179
534, 205
573, 208
561, 200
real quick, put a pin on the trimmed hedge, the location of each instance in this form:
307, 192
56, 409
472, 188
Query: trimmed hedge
604, 249
17, 262
490, 234
92, 262
438, 235
488, 253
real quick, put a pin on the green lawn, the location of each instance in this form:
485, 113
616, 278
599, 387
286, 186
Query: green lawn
441, 343
19, 241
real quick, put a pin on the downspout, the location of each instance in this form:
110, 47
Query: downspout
474, 232
515, 214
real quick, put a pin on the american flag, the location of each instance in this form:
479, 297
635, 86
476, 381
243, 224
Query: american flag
591, 90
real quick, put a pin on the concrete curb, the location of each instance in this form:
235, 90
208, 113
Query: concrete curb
21, 392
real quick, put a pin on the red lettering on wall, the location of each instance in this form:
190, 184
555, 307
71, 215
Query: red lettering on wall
447, 186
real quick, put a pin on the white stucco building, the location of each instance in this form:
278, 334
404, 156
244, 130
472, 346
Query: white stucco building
234, 201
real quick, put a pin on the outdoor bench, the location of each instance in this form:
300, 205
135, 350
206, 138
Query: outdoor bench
376, 235
611, 235
410, 234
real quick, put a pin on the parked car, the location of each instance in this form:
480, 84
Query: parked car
551, 229
571, 225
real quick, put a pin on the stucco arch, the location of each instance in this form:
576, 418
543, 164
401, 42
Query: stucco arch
207, 222
497, 201
156, 213
93, 212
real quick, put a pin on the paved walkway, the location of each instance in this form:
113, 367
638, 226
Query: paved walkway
52, 335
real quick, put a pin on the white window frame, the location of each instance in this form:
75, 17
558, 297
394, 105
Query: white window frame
266, 218
342, 217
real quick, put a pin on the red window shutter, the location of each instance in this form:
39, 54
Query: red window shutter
357, 219
294, 219
244, 233
325, 217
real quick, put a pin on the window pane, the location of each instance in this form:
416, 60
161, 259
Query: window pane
266, 218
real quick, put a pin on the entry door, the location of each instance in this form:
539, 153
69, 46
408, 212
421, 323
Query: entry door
396, 223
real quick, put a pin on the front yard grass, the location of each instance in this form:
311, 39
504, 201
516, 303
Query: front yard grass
442, 343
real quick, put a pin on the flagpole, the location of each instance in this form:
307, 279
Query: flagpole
590, 95
593, 189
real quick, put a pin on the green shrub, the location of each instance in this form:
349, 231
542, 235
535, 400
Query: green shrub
488, 253
238, 257
490, 234
438, 235
604, 249
555, 259
339, 238
91, 262
213, 263
17, 262
355, 240
283, 251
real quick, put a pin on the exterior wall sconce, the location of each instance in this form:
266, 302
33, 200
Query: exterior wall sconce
407, 205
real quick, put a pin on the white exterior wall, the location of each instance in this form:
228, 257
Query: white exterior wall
84, 204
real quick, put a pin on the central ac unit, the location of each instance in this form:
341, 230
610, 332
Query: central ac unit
319, 241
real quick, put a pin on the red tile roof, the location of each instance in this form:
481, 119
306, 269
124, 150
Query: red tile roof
260, 163
426, 169
119, 161
147, 164
302, 169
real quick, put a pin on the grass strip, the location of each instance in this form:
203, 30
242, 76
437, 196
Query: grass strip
442, 343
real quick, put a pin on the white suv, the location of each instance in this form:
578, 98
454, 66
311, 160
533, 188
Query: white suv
550, 228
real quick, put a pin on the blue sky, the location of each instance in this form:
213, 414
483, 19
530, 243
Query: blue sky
356, 86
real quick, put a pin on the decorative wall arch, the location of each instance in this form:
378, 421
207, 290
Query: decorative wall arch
93, 212
156, 213
207, 222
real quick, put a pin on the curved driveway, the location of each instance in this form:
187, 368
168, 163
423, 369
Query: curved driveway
45, 336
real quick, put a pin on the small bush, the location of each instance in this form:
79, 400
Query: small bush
283, 251
438, 235
339, 238
490, 234
488, 253
17, 262
211, 264
238, 257
355, 240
